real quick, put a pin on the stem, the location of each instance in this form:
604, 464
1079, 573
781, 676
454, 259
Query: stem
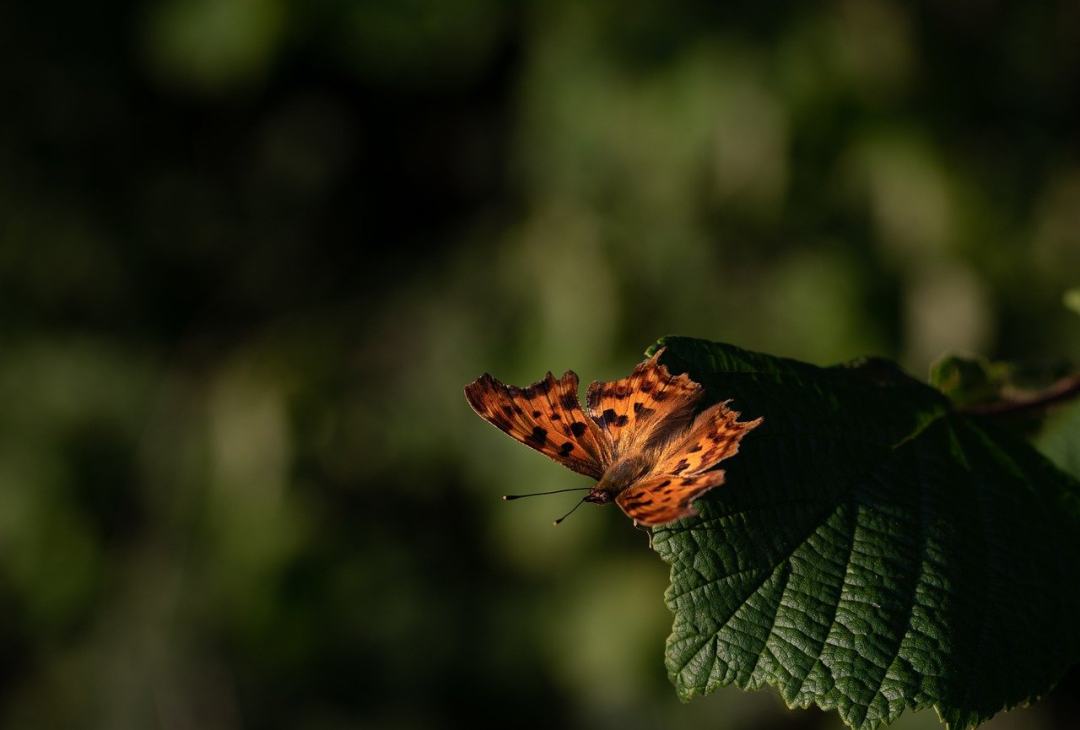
1016, 402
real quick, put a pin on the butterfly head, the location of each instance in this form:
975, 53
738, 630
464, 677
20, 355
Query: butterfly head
600, 496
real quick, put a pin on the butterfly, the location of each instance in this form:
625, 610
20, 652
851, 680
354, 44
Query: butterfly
638, 436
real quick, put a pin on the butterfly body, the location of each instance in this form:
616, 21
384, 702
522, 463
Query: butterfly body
619, 477
639, 437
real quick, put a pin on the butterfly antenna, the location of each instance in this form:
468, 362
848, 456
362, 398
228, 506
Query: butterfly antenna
581, 502
509, 497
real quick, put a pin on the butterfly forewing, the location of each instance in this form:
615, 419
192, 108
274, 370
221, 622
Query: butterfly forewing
545, 416
650, 402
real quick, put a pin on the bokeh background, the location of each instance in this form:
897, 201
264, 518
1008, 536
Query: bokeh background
251, 250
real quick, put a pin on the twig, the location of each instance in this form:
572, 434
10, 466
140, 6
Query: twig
1021, 401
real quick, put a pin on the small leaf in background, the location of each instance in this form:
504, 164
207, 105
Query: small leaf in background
968, 380
1059, 439
1072, 299
873, 551
1024, 391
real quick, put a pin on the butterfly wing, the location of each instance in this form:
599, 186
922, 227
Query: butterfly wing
663, 498
714, 436
643, 408
682, 474
545, 416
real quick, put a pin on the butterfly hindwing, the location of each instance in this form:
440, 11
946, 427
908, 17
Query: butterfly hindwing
545, 416
649, 403
663, 498
714, 436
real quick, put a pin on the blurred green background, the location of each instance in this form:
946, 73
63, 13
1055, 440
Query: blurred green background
251, 250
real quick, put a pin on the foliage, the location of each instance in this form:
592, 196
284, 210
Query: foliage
969, 380
874, 551
1072, 299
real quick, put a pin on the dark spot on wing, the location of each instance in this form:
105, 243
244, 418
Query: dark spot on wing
569, 401
577, 428
722, 436
663, 484
621, 421
609, 416
694, 449
681, 466
645, 412
555, 416
565, 449
536, 414
508, 410
538, 436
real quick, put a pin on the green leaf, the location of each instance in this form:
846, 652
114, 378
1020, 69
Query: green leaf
872, 551
967, 380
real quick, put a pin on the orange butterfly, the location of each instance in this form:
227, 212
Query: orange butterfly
639, 439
